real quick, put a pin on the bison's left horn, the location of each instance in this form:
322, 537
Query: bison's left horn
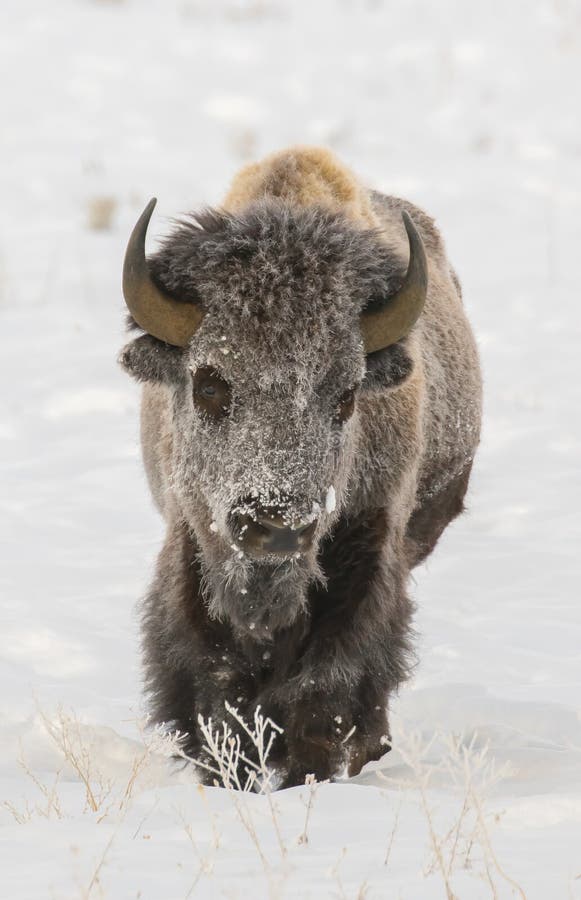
155, 312
395, 317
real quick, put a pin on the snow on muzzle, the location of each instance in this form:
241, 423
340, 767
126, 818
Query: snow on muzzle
263, 526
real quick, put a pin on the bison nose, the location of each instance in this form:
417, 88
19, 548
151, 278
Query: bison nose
267, 531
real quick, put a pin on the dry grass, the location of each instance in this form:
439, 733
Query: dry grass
101, 209
47, 807
458, 842
312, 785
66, 732
104, 796
245, 10
237, 11
473, 773
239, 774
393, 832
95, 879
244, 144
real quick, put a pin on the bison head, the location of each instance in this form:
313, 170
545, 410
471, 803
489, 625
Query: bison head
262, 327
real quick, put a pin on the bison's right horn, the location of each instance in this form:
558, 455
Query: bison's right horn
397, 315
158, 314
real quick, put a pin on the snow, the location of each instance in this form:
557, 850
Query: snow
470, 111
330, 500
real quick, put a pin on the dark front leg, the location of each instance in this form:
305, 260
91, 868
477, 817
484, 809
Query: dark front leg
193, 663
207, 673
336, 733
356, 654
371, 738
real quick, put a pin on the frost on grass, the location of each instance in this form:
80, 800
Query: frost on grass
460, 841
224, 756
455, 837
109, 770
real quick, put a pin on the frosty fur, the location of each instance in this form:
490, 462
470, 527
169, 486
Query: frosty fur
283, 272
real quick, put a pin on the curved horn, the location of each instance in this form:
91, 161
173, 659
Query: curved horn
395, 318
155, 312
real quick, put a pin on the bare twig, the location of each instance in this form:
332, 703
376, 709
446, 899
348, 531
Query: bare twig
239, 773
412, 754
97, 870
312, 784
21, 817
393, 830
65, 732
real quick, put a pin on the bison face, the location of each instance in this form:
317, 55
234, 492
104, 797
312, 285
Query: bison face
265, 428
267, 442
264, 391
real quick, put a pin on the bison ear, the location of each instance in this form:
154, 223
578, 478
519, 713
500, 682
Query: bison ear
388, 368
148, 359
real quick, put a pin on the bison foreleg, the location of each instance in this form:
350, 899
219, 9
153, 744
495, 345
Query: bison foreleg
357, 653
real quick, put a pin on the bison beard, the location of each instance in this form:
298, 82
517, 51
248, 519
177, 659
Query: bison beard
271, 296
332, 670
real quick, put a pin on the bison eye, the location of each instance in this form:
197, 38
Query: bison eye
345, 406
211, 392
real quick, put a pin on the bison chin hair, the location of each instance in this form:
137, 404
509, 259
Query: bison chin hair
260, 598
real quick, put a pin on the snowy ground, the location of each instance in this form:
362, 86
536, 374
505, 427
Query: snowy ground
471, 110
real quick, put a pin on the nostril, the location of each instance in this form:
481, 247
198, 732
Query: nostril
268, 530
261, 527
308, 527
245, 525
305, 535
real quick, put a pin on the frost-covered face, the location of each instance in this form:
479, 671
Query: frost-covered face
266, 431
265, 418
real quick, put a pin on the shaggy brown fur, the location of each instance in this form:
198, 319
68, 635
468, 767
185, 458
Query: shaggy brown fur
305, 176
283, 272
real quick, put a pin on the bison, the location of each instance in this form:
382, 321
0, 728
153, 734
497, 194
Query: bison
311, 409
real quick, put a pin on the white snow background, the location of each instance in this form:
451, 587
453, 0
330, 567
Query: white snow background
471, 110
